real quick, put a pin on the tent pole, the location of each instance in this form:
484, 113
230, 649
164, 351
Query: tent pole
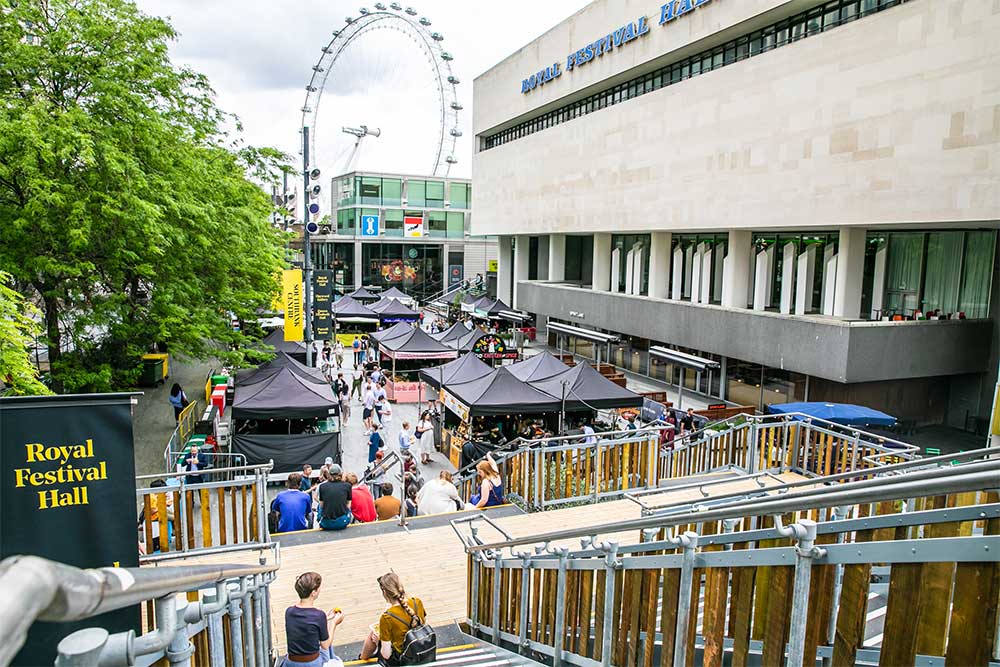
680, 389
562, 409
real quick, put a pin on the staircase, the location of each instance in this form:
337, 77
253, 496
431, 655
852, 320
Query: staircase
474, 654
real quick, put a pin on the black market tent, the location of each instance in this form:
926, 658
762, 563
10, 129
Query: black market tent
289, 452
396, 330
397, 294
539, 367
390, 310
466, 368
285, 394
466, 342
277, 340
362, 294
454, 332
350, 310
415, 344
499, 393
268, 370
587, 388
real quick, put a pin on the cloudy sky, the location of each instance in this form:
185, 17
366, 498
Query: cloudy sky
259, 57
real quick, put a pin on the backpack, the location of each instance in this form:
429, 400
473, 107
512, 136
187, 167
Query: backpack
419, 643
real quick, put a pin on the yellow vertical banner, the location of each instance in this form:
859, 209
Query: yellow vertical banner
278, 302
291, 294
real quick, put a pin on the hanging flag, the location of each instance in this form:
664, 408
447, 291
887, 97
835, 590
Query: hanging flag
291, 291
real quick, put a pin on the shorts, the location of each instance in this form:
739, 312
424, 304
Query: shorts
366, 413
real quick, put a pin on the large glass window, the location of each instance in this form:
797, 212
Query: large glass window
414, 268
338, 257
346, 218
458, 195
416, 193
977, 273
371, 190
435, 194
392, 192
393, 222
456, 225
345, 191
437, 224
902, 281
941, 280
638, 246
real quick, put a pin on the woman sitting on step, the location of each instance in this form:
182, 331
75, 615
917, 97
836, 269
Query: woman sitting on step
308, 630
490, 484
388, 640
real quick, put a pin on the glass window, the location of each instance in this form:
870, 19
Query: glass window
458, 195
393, 222
392, 192
345, 191
743, 382
416, 193
338, 257
435, 194
371, 190
902, 281
456, 224
437, 223
345, 221
977, 273
941, 280
638, 245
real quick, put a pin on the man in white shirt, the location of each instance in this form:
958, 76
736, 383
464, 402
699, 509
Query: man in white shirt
357, 378
369, 407
380, 399
588, 435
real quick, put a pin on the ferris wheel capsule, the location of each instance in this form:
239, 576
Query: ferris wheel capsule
411, 11
424, 21
396, 6
380, 6
363, 11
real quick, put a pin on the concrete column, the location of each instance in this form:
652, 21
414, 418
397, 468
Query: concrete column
850, 272
706, 273
630, 271
505, 269
557, 257
830, 257
659, 265
638, 266
878, 284
736, 272
696, 261
762, 279
357, 264
616, 263
688, 271
677, 290
520, 265
718, 268
806, 270
445, 249
601, 278
788, 258
542, 259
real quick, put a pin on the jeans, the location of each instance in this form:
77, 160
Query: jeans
324, 655
340, 523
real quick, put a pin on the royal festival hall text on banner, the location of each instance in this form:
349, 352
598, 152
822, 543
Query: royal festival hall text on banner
291, 290
615, 39
68, 494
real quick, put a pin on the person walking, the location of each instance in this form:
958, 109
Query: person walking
368, 409
357, 377
179, 400
342, 392
356, 348
424, 434
338, 354
406, 438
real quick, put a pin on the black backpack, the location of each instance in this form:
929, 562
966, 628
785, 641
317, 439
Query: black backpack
419, 644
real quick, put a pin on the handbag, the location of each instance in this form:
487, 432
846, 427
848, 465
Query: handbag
419, 643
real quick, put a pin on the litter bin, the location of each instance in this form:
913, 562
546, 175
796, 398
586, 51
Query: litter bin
162, 356
152, 372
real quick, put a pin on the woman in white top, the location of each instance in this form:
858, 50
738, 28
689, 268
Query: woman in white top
424, 433
439, 496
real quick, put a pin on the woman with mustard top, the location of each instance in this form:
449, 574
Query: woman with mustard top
403, 613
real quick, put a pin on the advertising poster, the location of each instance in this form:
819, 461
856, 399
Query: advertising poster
413, 227
322, 300
68, 495
454, 274
291, 291
492, 346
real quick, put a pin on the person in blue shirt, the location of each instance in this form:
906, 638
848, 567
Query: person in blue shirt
292, 505
306, 483
375, 443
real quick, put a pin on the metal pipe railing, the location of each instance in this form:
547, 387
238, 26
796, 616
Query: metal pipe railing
935, 482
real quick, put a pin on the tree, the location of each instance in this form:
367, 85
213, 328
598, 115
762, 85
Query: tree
18, 329
126, 211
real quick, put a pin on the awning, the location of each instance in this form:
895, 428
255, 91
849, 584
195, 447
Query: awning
415, 344
539, 367
466, 368
362, 294
683, 359
499, 393
349, 307
578, 332
397, 329
285, 394
586, 388
277, 340
268, 370
454, 332
391, 309
845, 414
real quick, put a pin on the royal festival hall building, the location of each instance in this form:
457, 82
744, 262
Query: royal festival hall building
805, 192
405, 231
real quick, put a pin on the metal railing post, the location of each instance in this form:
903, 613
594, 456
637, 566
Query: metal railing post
495, 620
213, 623
539, 479
597, 472
262, 529
689, 542
82, 648
182, 539
258, 620
611, 565
249, 649
558, 631
806, 551
180, 650
236, 628
477, 559
752, 452
522, 628
839, 514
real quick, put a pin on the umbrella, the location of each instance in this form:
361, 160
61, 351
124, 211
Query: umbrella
845, 414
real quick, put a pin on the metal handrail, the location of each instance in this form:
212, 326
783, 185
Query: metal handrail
251, 468
814, 481
38, 589
933, 482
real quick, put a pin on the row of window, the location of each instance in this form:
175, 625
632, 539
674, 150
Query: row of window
816, 20
439, 224
384, 191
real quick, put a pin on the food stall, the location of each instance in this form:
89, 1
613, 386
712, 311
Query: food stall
539, 367
296, 348
352, 319
400, 296
409, 353
364, 295
390, 311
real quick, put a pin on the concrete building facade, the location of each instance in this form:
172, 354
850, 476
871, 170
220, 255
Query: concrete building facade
807, 192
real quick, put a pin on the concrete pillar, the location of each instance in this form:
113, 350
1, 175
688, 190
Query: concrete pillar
706, 273
677, 290
878, 284
638, 266
688, 271
357, 264
542, 259
762, 279
446, 261
616, 263
696, 260
788, 257
659, 265
736, 272
629, 270
521, 243
601, 278
806, 270
830, 258
505, 269
557, 257
850, 272
718, 268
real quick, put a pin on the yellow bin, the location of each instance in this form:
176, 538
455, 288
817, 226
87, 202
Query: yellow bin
166, 362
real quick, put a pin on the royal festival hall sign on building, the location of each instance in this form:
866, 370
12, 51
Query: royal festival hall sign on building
607, 43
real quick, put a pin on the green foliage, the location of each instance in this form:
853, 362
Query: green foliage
126, 212
18, 328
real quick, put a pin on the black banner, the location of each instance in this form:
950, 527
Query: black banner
322, 301
68, 494
289, 452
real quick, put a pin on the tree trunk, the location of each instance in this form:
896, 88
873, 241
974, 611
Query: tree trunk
54, 338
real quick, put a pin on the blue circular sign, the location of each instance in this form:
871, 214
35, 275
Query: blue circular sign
314, 208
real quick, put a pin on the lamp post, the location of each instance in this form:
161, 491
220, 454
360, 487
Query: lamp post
307, 265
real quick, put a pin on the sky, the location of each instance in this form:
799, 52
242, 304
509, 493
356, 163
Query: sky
259, 57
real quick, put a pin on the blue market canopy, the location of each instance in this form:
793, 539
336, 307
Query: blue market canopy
466, 368
539, 367
845, 414
586, 388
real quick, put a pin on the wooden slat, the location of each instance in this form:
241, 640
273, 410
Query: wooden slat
899, 645
254, 536
223, 539
714, 630
147, 521
932, 621
189, 511
670, 592
851, 613
599, 584
741, 607
820, 603
536, 605
235, 516
206, 518
778, 612
161, 513
625, 654
651, 588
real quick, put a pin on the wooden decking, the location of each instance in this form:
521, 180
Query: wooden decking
431, 561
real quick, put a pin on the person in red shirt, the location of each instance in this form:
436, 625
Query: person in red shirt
362, 503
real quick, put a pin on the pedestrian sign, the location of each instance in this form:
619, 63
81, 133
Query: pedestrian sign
369, 225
